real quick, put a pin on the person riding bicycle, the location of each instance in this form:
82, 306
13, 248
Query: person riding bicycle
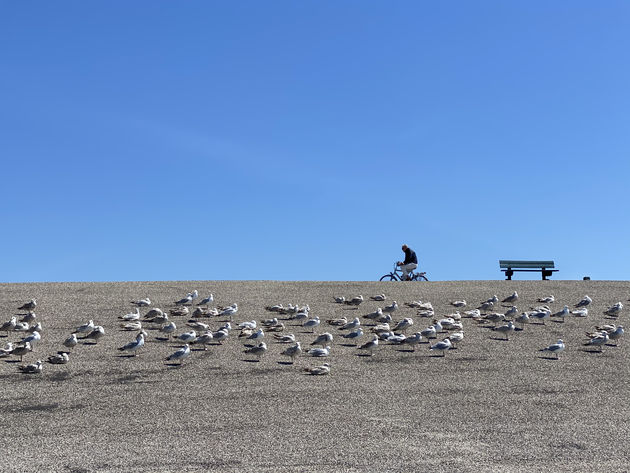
410, 263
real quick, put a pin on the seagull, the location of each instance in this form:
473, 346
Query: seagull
60, 358
8, 326
250, 325
511, 299
494, 299
33, 338
220, 335
429, 332
29, 305
340, 321
180, 355
355, 323
505, 329
257, 335
131, 326
617, 333
540, 315
34, 368
562, 313
197, 325
511, 311
288, 338
413, 340
319, 370
135, 345
21, 327
30, 317
142, 302
179, 311
461, 303
35, 328
293, 351
131, 316
486, 306
155, 312
379, 297
270, 322
584, 302
186, 300
229, 311
204, 339
206, 301
403, 325
390, 309
88, 327
614, 310
456, 337
358, 333
71, 341
96, 333
258, 350
442, 346
340, 299
323, 339
374, 315
319, 352
355, 301
188, 337
598, 340
371, 345
547, 300
312, 323
6, 351
168, 329
580, 312
22, 350
555, 348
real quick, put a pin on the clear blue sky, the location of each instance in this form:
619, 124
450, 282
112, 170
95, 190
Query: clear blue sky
307, 140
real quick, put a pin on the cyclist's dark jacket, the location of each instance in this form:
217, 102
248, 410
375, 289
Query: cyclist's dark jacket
410, 256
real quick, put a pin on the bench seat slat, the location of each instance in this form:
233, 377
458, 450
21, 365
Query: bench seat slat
526, 264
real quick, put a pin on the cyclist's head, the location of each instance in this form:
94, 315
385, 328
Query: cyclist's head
404, 247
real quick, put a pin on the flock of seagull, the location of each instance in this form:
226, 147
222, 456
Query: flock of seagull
379, 327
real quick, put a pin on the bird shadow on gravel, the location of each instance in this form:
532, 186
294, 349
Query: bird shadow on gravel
285, 363
500, 339
552, 358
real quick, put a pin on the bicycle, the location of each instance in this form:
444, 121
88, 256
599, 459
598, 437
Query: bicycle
396, 275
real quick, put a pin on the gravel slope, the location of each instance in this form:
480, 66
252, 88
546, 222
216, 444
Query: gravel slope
489, 405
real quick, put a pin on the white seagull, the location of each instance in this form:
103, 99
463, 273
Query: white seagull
135, 345
442, 346
555, 348
293, 351
180, 355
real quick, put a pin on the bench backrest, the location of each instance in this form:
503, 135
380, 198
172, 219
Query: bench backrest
507, 264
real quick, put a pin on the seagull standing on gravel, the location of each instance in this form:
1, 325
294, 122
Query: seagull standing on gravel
505, 329
6, 351
547, 300
379, 297
293, 351
511, 299
188, 337
258, 335
312, 323
22, 350
429, 332
207, 300
180, 355
229, 311
584, 302
512, 311
390, 309
442, 346
204, 339
71, 341
87, 327
355, 335
220, 335
355, 323
562, 313
486, 306
131, 316
555, 348
33, 338
135, 345
323, 339
371, 345
288, 338
413, 340
8, 326
403, 325
168, 329
598, 340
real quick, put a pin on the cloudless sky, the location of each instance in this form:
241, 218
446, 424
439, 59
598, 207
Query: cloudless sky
161, 140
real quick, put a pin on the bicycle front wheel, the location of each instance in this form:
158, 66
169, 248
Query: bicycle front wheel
389, 277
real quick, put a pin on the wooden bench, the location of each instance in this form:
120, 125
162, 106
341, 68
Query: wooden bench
509, 266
